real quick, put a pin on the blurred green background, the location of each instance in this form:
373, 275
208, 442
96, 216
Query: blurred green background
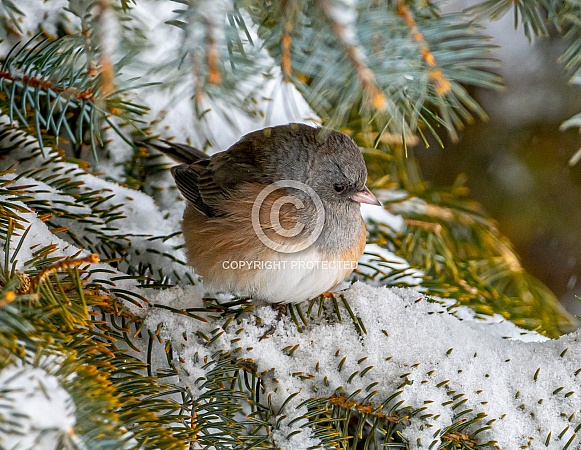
516, 164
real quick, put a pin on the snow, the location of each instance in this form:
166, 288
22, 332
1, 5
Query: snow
344, 13
375, 215
142, 219
47, 408
40, 234
47, 13
172, 111
377, 267
408, 338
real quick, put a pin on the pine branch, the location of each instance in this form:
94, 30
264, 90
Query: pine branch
87, 217
538, 18
395, 50
459, 250
170, 368
346, 34
46, 87
128, 406
534, 15
571, 60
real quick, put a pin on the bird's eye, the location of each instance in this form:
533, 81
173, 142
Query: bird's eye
339, 187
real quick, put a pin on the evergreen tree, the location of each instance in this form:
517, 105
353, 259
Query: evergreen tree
99, 312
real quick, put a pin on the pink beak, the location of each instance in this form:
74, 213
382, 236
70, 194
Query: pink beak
365, 196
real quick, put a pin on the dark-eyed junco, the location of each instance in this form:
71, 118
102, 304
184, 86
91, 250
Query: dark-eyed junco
276, 217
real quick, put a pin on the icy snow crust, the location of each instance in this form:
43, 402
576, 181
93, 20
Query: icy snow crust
412, 346
48, 408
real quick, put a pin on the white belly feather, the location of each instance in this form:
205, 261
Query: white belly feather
287, 278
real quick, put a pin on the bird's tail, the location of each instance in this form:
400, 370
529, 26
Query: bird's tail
180, 153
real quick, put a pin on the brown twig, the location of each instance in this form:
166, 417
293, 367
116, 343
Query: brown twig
212, 54
429, 226
106, 70
364, 73
92, 71
363, 408
459, 438
34, 82
60, 265
288, 9
435, 74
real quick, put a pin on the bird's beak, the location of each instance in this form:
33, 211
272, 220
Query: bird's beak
365, 196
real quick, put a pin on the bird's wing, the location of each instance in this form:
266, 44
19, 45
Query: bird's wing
187, 178
207, 181
221, 177
243, 162
187, 175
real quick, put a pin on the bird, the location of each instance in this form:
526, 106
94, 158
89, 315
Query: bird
275, 217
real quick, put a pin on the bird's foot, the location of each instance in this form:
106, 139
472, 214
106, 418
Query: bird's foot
281, 310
